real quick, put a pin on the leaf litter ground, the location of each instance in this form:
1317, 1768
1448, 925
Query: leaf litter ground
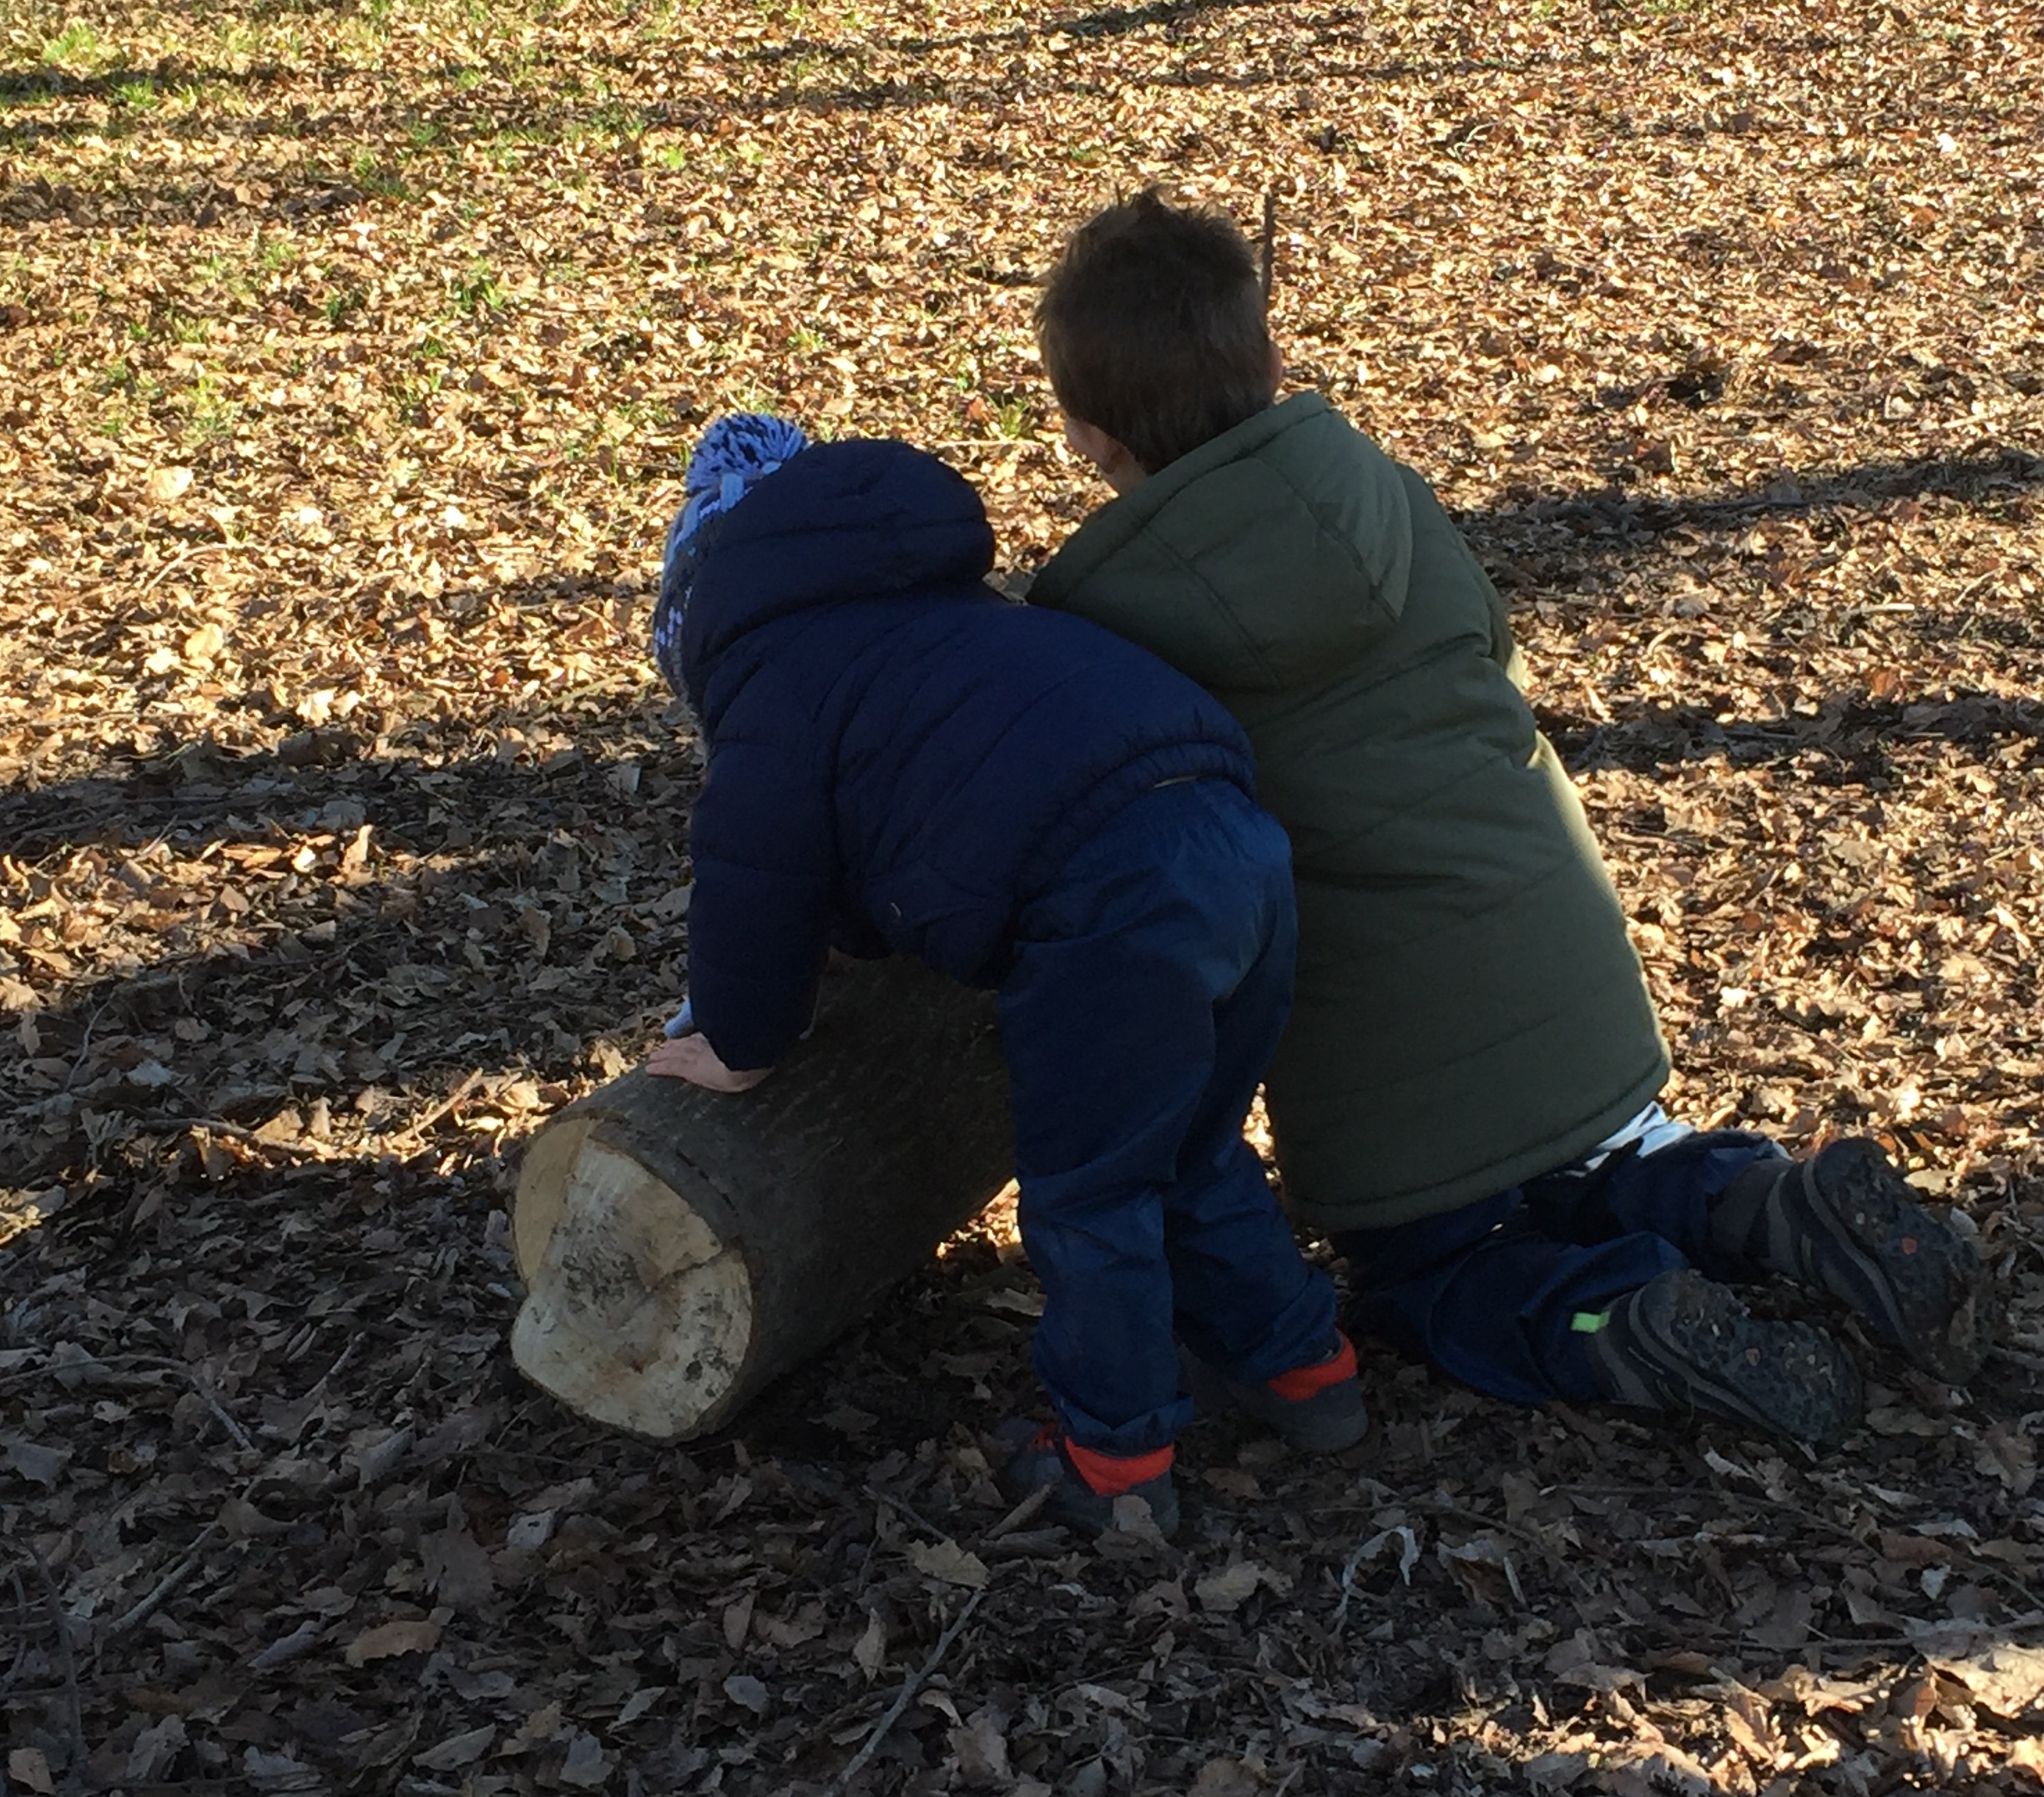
349, 356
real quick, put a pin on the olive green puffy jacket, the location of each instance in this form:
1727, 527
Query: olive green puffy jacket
1469, 1012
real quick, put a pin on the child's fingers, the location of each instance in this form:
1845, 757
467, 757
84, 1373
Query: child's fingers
678, 1059
692, 1058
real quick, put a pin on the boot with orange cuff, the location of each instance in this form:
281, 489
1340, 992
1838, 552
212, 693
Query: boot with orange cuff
1317, 1408
1085, 1484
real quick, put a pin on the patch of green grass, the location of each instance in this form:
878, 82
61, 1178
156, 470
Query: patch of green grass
211, 416
340, 307
422, 133
466, 80
77, 45
141, 95
1011, 419
479, 291
128, 393
184, 328
671, 156
410, 393
277, 252
607, 122
367, 171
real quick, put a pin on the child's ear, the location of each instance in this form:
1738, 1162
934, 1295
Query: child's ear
1108, 454
1091, 442
1277, 367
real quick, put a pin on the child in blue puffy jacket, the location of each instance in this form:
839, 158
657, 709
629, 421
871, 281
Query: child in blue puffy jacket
899, 759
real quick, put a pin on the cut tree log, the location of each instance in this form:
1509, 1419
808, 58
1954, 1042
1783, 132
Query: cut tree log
681, 1248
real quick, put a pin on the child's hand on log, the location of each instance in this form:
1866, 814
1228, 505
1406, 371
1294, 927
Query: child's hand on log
692, 1058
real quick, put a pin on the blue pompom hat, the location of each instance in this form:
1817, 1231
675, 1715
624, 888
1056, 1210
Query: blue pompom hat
737, 452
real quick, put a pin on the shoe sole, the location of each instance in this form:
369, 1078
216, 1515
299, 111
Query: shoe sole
1703, 1350
1325, 1433
1917, 1280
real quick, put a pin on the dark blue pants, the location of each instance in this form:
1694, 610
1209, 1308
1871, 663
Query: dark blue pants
1151, 984
1490, 1292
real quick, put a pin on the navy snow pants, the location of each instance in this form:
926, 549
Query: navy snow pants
1151, 983
1490, 1292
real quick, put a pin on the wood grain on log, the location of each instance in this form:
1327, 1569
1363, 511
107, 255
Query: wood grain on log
681, 1248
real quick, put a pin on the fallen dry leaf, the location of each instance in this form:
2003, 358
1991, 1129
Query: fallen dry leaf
947, 1561
387, 1640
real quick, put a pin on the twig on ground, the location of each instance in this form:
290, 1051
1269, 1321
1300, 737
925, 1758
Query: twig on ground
183, 1369
1025, 1511
181, 1569
178, 561
21, 1642
206, 1396
85, 1046
896, 1710
67, 1667
216, 1126
416, 1130
907, 1513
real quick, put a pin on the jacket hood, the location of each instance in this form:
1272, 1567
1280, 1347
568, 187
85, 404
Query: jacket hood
839, 522
1274, 554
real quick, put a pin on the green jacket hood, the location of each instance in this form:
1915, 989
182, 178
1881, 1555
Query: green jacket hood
1278, 552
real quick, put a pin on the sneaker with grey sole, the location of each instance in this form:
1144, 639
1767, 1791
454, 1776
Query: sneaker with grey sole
1684, 1342
1846, 1222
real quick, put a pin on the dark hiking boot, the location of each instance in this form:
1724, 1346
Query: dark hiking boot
1847, 1222
1684, 1342
1085, 1485
1317, 1408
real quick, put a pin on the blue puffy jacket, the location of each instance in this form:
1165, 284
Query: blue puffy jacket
898, 758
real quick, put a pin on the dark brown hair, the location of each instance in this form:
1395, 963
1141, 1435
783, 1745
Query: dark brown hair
1152, 328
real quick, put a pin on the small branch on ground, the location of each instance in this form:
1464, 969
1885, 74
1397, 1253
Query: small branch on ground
909, 1686
67, 1667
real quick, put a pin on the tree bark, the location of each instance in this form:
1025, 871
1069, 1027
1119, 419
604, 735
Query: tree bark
681, 1248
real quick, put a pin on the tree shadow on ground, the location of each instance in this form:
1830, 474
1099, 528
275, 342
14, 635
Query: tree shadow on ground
1616, 518
1100, 21
470, 117
1848, 740
26, 85
279, 937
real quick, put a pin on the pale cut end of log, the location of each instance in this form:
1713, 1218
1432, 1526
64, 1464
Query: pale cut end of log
681, 1249
639, 1318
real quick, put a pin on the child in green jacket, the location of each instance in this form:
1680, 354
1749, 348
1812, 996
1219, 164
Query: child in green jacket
1464, 1098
